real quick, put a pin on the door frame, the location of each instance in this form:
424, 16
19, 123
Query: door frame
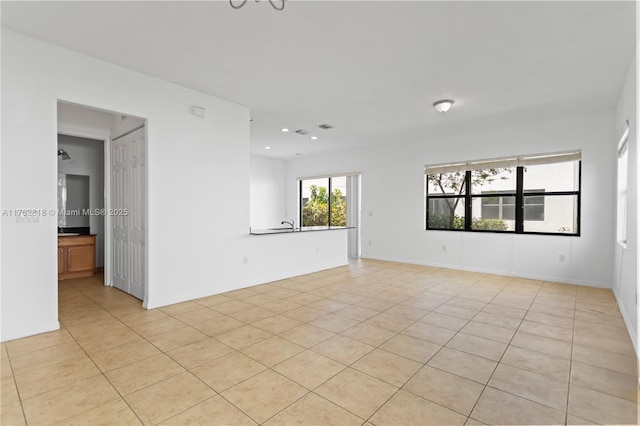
105, 137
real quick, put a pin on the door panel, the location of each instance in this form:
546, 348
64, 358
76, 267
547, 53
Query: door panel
128, 195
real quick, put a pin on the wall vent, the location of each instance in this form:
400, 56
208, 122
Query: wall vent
325, 126
302, 132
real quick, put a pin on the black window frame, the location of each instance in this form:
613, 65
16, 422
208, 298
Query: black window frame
520, 194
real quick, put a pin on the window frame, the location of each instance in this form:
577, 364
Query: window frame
622, 153
520, 194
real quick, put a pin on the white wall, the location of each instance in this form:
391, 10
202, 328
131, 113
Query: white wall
267, 192
626, 260
198, 185
393, 188
87, 159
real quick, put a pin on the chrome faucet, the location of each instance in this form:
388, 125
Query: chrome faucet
289, 222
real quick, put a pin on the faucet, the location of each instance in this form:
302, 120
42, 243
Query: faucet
289, 222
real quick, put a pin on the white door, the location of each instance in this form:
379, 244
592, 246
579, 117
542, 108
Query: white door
128, 186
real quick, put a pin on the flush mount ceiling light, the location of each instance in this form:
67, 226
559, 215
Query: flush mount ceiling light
267, 147
313, 138
284, 130
443, 105
276, 4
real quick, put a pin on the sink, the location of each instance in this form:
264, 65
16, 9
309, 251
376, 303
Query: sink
68, 234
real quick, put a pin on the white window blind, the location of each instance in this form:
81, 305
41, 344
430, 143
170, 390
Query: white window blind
499, 163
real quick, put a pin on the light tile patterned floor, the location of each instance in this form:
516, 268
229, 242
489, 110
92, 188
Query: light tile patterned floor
374, 343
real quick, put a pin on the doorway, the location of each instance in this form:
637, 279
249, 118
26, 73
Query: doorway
124, 176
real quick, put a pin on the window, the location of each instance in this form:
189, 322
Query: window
504, 195
622, 185
323, 201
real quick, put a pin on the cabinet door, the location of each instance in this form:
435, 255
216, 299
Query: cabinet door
81, 258
62, 260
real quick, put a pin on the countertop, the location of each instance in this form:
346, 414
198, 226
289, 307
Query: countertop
270, 231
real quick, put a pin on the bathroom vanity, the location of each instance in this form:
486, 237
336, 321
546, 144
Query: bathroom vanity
76, 256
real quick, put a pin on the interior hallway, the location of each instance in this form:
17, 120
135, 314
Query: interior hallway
373, 343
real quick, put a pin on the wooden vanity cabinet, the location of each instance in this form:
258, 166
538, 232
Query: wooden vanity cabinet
76, 256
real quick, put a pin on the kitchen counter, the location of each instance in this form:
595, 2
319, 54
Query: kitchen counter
304, 229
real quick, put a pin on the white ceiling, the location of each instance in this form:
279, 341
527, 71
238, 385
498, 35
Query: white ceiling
370, 68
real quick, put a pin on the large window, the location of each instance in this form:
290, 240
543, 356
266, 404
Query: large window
527, 194
623, 170
323, 201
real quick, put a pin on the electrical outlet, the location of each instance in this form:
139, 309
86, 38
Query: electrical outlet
561, 258
444, 248
369, 242
370, 214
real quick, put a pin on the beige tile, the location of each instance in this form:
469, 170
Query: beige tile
108, 340
334, 323
34, 382
356, 313
342, 349
45, 357
542, 344
143, 373
40, 341
176, 338
376, 304
165, 399
505, 311
388, 367
457, 311
491, 332
272, 351
463, 364
444, 321
478, 346
314, 410
61, 403
605, 381
9, 391
280, 306
218, 326
228, 371
574, 420
501, 408
180, 308
122, 355
113, 413
471, 421
614, 341
305, 313
349, 298
601, 408
407, 409
259, 299
390, 322
451, 391
369, 334
567, 313
411, 347
264, 395
151, 328
550, 331
213, 409
408, 312
276, 324
531, 386
198, 315
243, 336
307, 335
537, 362
197, 353
548, 319
251, 315
12, 415
143, 315
498, 320
605, 359
430, 333
309, 369
356, 392
328, 305
232, 306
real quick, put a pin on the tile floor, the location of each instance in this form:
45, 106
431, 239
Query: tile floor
374, 343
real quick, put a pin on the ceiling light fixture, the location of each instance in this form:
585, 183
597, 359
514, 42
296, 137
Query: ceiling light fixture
277, 5
284, 130
313, 138
62, 155
267, 147
443, 105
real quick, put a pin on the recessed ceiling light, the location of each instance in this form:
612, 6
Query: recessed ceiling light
443, 105
284, 129
267, 147
313, 138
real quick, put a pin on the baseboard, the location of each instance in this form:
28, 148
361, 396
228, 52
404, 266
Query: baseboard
629, 324
494, 272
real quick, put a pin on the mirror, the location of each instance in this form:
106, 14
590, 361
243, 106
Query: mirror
73, 201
